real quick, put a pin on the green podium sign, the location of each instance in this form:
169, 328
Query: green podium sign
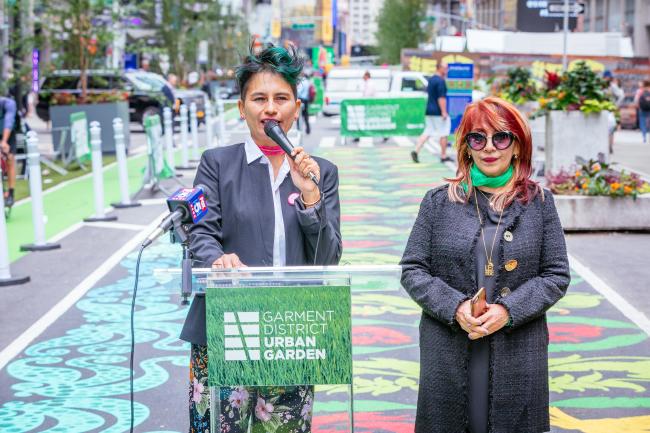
382, 117
287, 335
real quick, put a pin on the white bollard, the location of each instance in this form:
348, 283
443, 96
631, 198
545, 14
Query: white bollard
35, 191
5, 274
169, 139
222, 123
185, 163
122, 169
98, 174
209, 143
194, 130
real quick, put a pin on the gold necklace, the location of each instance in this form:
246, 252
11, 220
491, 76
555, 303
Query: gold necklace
489, 267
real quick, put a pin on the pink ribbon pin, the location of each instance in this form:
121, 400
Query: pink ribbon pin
293, 197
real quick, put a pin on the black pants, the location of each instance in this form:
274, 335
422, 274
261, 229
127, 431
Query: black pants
305, 115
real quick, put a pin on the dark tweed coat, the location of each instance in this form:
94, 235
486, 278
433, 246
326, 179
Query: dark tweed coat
439, 274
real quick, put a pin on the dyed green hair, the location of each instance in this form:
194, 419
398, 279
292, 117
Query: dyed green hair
277, 60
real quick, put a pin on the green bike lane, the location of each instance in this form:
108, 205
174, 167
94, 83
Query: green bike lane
69, 203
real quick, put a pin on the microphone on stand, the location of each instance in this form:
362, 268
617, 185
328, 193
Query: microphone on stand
274, 131
186, 206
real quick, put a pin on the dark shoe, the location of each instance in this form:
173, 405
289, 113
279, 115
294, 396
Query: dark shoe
414, 156
9, 200
445, 159
356, 140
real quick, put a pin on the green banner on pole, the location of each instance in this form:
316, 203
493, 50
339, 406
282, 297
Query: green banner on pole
79, 136
382, 117
279, 336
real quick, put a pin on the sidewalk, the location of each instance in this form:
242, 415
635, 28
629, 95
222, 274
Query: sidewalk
630, 153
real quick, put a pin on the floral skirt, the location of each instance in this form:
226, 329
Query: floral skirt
265, 409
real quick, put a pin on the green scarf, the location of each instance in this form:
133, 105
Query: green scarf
481, 179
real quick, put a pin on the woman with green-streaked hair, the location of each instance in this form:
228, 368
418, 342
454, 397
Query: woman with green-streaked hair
263, 210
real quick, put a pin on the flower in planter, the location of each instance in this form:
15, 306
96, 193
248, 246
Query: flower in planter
578, 89
597, 178
518, 87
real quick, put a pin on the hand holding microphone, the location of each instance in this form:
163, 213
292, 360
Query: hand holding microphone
303, 164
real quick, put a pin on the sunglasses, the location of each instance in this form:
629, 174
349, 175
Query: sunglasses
501, 140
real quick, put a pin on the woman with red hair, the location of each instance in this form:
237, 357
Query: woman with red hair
490, 231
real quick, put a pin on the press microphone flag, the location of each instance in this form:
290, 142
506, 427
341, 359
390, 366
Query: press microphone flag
274, 131
186, 206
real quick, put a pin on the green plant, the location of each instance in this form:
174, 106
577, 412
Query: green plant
577, 89
597, 178
519, 86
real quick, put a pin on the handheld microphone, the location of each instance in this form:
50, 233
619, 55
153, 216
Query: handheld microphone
186, 206
275, 133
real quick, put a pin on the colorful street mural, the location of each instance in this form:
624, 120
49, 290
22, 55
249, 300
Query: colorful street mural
77, 381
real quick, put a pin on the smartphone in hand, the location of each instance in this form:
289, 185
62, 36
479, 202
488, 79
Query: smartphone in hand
479, 303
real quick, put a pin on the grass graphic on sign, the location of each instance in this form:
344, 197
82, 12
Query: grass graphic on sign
279, 335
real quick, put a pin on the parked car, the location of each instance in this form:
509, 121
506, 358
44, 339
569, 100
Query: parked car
628, 112
347, 83
143, 89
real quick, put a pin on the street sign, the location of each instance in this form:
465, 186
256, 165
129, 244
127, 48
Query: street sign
558, 8
303, 26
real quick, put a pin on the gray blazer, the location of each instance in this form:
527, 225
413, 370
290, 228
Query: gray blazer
240, 220
439, 274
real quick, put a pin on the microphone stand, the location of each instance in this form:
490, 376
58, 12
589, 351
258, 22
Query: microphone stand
179, 233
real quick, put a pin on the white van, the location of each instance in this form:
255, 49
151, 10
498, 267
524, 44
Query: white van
346, 83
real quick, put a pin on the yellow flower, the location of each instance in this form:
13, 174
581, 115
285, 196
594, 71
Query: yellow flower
614, 186
627, 189
578, 173
561, 95
596, 167
585, 185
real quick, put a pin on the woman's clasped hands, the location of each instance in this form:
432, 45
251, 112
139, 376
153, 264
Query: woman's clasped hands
494, 318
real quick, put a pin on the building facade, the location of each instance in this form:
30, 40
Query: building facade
363, 21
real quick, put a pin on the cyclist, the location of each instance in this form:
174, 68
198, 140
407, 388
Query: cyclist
8, 116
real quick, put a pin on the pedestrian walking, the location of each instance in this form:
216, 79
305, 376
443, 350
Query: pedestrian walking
10, 127
616, 95
368, 89
437, 121
306, 94
642, 102
491, 230
263, 210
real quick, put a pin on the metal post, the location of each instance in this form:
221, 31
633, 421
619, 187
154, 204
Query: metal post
98, 174
122, 169
185, 163
35, 191
194, 130
208, 126
565, 23
5, 275
169, 140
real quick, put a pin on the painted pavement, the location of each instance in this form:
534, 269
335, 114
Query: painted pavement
75, 377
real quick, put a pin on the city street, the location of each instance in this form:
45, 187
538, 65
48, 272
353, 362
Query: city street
64, 360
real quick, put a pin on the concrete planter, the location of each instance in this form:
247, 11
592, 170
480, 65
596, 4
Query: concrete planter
103, 113
573, 133
603, 213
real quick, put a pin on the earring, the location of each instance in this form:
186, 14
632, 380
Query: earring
241, 116
515, 156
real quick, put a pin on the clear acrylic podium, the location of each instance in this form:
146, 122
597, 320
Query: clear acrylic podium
272, 328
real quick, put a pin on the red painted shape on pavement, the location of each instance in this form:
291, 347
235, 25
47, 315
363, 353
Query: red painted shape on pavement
573, 333
364, 422
369, 335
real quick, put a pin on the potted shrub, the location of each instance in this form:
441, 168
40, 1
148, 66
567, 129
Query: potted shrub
595, 196
577, 111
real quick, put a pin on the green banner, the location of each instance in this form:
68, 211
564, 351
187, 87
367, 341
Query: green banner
279, 335
79, 136
317, 106
153, 130
382, 117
